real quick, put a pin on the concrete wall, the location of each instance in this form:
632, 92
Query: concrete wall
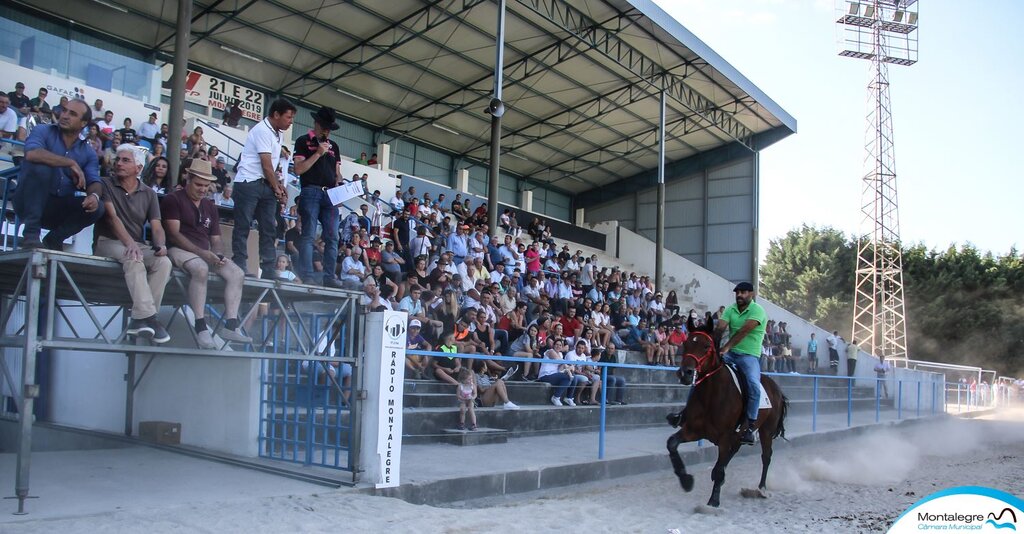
216, 400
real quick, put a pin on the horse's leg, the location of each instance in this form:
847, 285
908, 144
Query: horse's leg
685, 480
766, 460
726, 450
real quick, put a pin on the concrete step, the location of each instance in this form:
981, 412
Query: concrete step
426, 425
480, 436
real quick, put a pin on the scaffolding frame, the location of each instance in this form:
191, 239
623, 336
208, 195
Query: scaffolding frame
50, 283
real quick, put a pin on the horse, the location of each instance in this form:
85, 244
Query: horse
714, 410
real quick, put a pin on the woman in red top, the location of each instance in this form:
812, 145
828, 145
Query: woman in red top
532, 259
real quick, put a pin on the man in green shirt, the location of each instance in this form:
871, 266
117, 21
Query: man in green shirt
746, 323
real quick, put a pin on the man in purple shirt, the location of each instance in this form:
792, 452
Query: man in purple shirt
58, 166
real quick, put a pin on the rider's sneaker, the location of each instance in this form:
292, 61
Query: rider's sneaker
747, 436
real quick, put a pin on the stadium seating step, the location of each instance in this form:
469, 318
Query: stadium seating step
480, 436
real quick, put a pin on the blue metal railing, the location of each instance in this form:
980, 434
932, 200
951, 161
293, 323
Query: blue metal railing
932, 408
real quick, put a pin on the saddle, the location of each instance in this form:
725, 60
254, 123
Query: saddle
740, 380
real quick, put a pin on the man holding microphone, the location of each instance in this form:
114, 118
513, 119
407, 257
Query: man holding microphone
319, 169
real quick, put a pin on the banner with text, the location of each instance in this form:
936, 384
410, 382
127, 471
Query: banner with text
217, 93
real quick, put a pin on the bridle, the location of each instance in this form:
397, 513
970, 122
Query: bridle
699, 361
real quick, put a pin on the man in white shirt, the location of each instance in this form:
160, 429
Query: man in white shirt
833, 351
397, 204
257, 190
148, 132
106, 126
352, 270
8, 118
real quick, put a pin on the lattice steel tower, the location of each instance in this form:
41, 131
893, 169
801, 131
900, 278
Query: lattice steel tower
882, 32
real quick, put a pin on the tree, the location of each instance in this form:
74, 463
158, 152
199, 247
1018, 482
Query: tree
961, 305
810, 272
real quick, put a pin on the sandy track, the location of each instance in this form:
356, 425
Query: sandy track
860, 485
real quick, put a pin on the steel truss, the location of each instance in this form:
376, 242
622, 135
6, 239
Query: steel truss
607, 42
879, 316
50, 285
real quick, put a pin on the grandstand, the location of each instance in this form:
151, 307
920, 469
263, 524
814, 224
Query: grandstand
409, 79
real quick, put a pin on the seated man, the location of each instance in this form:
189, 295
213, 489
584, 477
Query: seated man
58, 164
193, 230
129, 205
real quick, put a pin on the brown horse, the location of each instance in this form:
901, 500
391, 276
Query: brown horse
714, 411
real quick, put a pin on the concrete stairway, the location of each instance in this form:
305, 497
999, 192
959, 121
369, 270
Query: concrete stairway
431, 413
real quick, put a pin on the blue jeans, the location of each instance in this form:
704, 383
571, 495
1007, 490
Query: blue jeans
616, 388
37, 207
254, 200
560, 382
751, 368
314, 205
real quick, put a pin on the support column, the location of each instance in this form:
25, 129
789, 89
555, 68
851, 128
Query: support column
526, 200
659, 232
462, 181
384, 156
177, 114
383, 368
496, 108
29, 388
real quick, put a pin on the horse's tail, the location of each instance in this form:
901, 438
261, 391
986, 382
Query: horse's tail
780, 429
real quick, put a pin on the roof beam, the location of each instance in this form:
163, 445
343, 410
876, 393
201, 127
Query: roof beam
425, 120
401, 36
607, 43
698, 65
195, 19
638, 148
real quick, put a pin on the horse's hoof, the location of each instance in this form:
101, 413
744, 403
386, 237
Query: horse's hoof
713, 502
759, 493
687, 482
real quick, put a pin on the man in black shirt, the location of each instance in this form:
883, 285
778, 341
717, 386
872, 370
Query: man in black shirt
19, 100
221, 173
128, 134
316, 163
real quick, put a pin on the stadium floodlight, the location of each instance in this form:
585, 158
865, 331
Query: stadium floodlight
444, 128
879, 313
113, 6
240, 53
352, 95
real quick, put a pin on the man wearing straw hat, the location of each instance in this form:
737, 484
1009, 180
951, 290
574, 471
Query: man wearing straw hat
193, 231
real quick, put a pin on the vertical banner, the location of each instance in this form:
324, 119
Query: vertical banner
384, 368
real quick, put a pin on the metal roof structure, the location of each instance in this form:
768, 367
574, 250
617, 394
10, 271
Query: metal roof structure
582, 78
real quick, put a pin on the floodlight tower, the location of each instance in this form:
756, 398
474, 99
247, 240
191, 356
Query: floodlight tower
882, 32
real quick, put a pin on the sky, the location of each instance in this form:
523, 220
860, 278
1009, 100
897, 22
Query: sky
955, 114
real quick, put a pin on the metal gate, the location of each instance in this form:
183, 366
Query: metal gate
308, 411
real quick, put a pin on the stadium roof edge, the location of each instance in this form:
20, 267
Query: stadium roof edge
654, 12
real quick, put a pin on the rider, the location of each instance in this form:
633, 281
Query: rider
746, 322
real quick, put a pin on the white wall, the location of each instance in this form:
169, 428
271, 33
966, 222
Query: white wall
216, 400
59, 86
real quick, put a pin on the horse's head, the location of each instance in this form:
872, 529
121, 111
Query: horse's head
700, 353
699, 357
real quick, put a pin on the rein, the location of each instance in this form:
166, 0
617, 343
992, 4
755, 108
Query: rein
700, 360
